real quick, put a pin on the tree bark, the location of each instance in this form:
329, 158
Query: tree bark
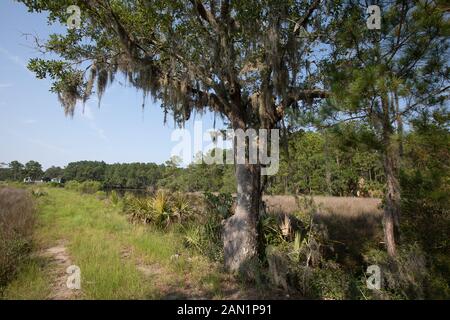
392, 199
240, 236
392, 195
399, 125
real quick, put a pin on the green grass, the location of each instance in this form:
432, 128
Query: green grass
108, 250
31, 282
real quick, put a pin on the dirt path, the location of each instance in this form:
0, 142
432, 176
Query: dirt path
59, 261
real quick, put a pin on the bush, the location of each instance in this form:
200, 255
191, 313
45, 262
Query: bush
37, 193
54, 184
101, 195
408, 276
221, 204
114, 197
327, 282
297, 256
17, 219
90, 187
206, 237
205, 234
161, 210
72, 185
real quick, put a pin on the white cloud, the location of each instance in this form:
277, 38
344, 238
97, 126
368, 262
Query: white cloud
29, 121
6, 85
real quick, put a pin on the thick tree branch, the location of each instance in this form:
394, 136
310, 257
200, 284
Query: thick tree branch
205, 14
297, 94
304, 21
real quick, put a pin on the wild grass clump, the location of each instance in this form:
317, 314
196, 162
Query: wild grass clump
72, 185
38, 192
299, 255
54, 184
17, 219
86, 187
162, 209
204, 234
114, 197
90, 187
408, 275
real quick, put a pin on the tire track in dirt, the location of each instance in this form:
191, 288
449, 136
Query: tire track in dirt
59, 261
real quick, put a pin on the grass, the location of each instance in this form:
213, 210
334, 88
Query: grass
353, 224
120, 260
111, 254
342, 206
17, 221
31, 282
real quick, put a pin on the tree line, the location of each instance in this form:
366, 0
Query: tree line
337, 162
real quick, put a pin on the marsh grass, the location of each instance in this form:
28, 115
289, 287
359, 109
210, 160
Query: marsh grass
353, 224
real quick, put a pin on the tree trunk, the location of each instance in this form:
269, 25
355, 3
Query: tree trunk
240, 231
392, 195
399, 125
392, 200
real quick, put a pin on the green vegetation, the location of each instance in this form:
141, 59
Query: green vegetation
161, 210
117, 259
375, 105
306, 169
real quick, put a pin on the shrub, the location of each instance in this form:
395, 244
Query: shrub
38, 193
329, 282
206, 237
101, 195
72, 185
407, 276
54, 184
90, 187
271, 234
182, 207
221, 204
17, 218
205, 233
161, 210
138, 209
297, 250
114, 197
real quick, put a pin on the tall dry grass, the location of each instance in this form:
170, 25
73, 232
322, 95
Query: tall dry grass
343, 206
353, 224
17, 219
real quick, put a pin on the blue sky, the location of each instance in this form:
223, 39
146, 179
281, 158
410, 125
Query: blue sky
33, 125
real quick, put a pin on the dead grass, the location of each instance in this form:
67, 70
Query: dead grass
17, 218
343, 206
353, 224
